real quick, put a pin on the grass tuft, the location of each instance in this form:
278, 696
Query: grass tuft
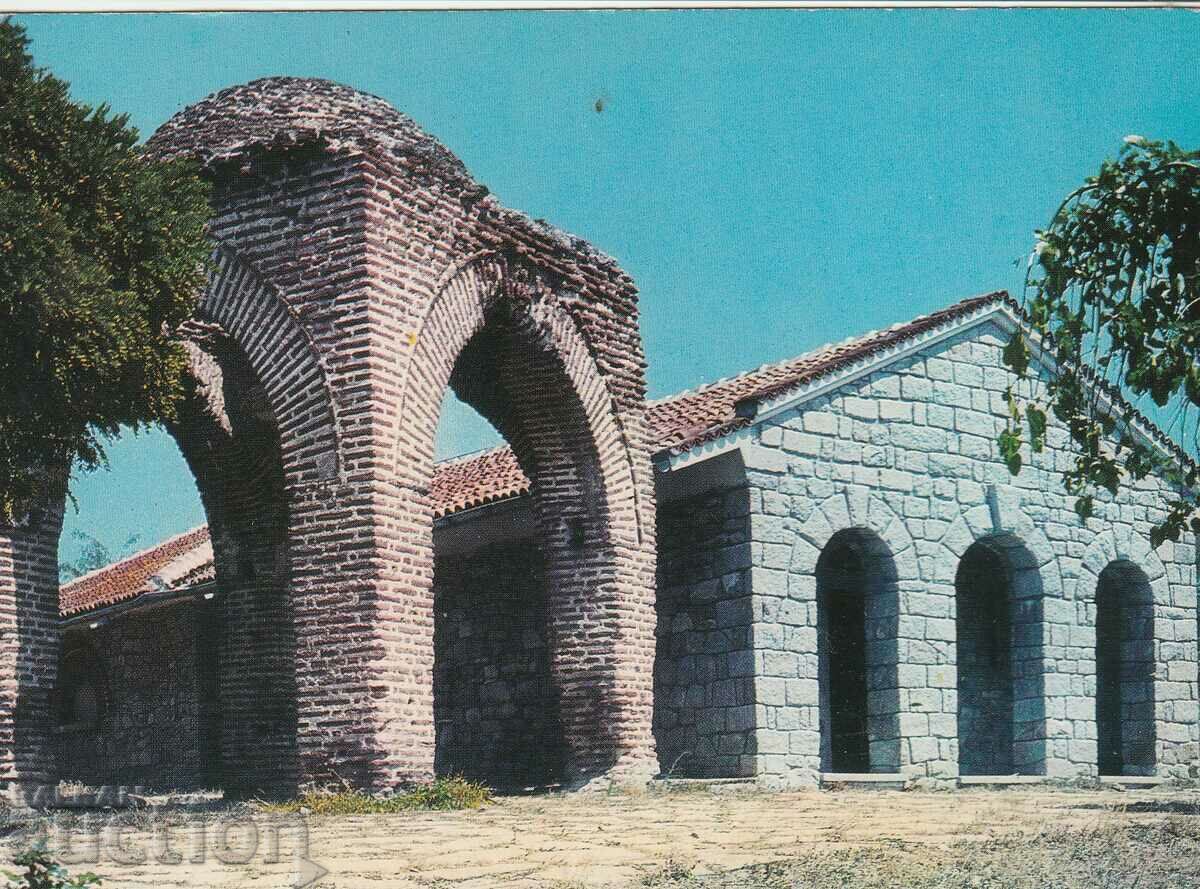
442, 794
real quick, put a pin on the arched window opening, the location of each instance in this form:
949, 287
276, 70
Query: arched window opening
857, 613
80, 696
1125, 671
1001, 707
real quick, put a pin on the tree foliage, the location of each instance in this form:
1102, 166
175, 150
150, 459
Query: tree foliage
101, 253
1113, 293
39, 870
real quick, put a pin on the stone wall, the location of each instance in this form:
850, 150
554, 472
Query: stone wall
495, 709
909, 453
703, 673
146, 670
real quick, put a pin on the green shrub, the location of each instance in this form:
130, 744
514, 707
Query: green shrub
43, 872
442, 794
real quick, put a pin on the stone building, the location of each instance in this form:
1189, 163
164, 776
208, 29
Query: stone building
849, 581
816, 567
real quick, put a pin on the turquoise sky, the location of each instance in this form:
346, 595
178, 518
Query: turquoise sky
773, 180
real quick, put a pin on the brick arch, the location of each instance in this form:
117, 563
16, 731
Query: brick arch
286, 362
458, 312
229, 437
259, 432
350, 213
533, 375
869, 524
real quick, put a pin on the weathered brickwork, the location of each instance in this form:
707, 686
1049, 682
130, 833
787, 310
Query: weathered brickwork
908, 454
29, 650
848, 577
375, 242
703, 674
355, 261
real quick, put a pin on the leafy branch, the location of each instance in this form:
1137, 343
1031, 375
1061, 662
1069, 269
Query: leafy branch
102, 254
1112, 289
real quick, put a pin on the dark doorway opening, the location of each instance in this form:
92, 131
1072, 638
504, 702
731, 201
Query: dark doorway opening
985, 669
857, 610
1125, 671
844, 636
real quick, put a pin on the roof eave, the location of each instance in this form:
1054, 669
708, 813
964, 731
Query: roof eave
1002, 311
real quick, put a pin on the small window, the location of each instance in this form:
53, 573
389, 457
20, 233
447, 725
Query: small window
79, 695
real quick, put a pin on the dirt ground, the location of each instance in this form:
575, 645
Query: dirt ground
575, 841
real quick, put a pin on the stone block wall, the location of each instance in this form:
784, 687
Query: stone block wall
703, 673
909, 453
494, 705
146, 671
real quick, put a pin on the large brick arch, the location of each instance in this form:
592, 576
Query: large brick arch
285, 360
350, 245
498, 334
259, 432
228, 435
458, 312
346, 242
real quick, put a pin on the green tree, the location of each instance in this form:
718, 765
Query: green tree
1113, 291
102, 253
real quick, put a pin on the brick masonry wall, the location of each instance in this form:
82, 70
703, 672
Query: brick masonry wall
703, 682
150, 726
363, 245
495, 706
908, 453
29, 649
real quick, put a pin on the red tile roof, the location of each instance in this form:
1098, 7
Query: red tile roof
476, 479
132, 576
676, 423
680, 422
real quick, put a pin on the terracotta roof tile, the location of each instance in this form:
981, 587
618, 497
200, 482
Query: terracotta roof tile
135, 575
680, 422
476, 479
676, 424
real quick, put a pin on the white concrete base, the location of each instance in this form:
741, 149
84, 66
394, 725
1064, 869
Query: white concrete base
985, 780
1133, 780
864, 779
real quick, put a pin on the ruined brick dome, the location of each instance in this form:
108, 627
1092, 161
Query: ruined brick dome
281, 113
